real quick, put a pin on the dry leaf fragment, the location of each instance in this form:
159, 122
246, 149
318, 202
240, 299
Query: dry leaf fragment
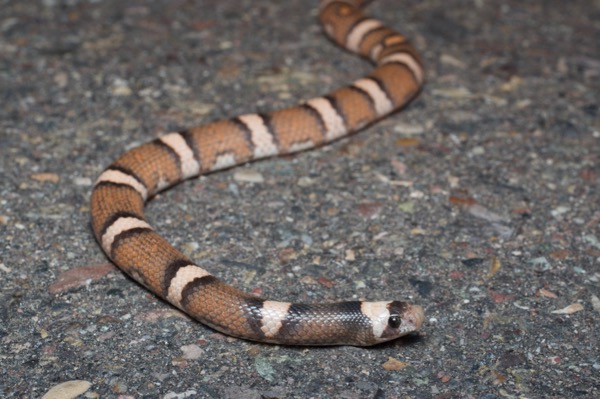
79, 277
191, 352
443, 376
350, 255
451, 60
325, 282
394, 364
456, 200
560, 254
512, 84
499, 298
407, 142
495, 265
546, 294
248, 176
498, 378
572, 308
554, 359
68, 389
44, 177
418, 231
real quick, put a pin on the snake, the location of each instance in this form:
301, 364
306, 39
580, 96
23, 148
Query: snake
122, 189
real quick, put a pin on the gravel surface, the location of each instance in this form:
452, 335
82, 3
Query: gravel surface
479, 201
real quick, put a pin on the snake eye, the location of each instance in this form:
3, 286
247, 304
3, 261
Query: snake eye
394, 321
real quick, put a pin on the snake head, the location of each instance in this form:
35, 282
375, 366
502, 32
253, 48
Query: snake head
394, 319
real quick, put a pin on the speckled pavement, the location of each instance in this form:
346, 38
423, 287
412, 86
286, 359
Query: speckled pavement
479, 201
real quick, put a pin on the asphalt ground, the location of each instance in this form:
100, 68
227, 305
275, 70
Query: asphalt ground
479, 201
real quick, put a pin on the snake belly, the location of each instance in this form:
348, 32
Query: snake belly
120, 192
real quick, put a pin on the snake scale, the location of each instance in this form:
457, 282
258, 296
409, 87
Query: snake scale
120, 192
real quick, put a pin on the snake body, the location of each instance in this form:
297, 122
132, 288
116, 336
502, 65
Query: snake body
120, 192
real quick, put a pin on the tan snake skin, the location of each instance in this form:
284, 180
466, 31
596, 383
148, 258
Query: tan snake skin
117, 203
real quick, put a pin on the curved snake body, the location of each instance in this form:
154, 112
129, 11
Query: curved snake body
117, 202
